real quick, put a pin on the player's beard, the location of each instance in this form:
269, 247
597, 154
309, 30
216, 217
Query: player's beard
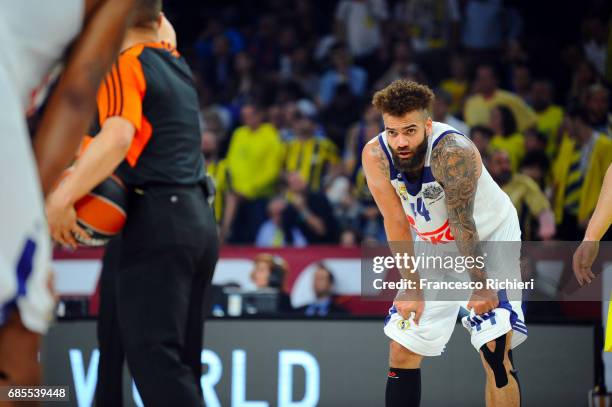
412, 167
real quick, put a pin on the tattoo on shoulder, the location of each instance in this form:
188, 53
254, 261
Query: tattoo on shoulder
455, 165
381, 159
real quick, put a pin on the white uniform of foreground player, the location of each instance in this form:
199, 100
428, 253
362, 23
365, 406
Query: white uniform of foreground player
496, 221
35, 35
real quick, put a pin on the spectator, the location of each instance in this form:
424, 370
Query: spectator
215, 117
584, 76
578, 172
310, 212
342, 112
368, 218
325, 305
270, 272
457, 84
597, 104
342, 72
431, 23
264, 43
301, 70
526, 196
218, 169
287, 42
314, 157
506, 136
254, 159
549, 116
441, 107
242, 86
272, 232
478, 106
487, 27
534, 141
536, 166
481, 137
595, 42
215, 28
521, 82
359, 134
217, 69
359, 23
402, 65
431, 27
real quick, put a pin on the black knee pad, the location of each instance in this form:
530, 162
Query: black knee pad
495, 360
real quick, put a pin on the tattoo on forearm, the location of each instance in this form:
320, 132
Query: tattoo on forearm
455, 166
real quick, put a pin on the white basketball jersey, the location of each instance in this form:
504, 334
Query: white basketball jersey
35, 34
424, 202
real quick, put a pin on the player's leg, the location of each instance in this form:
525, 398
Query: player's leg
502, 388
410, 343
19, 364
494, 335
404, 377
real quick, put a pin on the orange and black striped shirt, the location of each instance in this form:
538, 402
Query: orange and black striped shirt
152, 87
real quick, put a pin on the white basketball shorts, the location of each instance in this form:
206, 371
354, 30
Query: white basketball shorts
25, 248
430, 336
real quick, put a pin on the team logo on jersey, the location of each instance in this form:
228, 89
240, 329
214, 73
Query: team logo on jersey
432, 192
403, 324
403, 192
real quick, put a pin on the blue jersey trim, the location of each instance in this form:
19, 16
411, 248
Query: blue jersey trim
415, 188
392, 170
25, 266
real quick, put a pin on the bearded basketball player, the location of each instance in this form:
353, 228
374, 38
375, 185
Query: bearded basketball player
36, 36
411, 154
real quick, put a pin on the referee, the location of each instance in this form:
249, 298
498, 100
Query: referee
157, 271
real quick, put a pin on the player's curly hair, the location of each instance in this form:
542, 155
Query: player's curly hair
403, 96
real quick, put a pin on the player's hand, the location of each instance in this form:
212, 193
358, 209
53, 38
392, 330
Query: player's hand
408, 302
62, 221
407, 308
483, 301
583, 259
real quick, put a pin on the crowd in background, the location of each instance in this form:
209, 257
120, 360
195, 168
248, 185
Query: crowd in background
285, 89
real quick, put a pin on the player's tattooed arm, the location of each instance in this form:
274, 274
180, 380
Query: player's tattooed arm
377, 171
382, 164
456, 166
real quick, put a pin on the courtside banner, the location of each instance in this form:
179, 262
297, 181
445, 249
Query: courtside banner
459, 271
330, 363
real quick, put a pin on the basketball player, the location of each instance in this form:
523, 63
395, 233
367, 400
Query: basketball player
599, 223
35, 37
411, 154
148, 134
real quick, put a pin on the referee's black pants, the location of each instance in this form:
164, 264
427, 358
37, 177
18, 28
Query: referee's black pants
152, 298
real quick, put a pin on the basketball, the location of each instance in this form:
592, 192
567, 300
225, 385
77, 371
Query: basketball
102, 212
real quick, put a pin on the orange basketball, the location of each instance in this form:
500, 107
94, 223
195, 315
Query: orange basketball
102, 212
